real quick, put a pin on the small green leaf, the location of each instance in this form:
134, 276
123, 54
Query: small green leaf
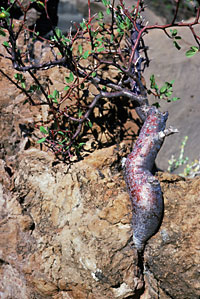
43, 130
66, 88
174, 99
66, 39
178, 37
41, 140
108, 11
101, 49
156, 104
56, 94
90, 124
83, 26
40, 3
55, 101
174, 32
100, 15
60, 132
163, 89
70, 79
153, 82
94, 74
58, 32
193, 50
80, 49
111, 38
23, 84
122, 26
86, 54
6, 44
80, 113
2, 32
105, 2
81, 144
178, 47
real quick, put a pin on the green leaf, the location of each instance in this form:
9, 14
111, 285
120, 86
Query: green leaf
156, 104
111, 38
6, 44
174, 99
23, 84
40, 3
41, 140
174, 32
100, 15
163, 89
58, 32
94, 74
80, 49
80, 113
66, 39
122, 26
193, 50
43, 130
55, 101
101, 49
2, 32
178, 47
108, 11
90, 124
81, 144
105, 3
66, 88
56, 94
60, 132
70, 79
153, 82
86, 54
83, 26
168, 94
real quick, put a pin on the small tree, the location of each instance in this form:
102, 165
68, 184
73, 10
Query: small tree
89, 98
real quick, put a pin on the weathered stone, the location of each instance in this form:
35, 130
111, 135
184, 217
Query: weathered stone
173, 254
66, 233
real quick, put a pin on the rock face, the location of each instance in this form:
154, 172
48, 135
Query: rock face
65, 233
173, 254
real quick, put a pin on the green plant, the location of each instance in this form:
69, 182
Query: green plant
176, 163
191, 170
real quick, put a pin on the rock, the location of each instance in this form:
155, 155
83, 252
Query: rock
173, 254
65, 233
79, 242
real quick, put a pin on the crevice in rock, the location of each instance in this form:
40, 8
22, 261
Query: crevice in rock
2, 262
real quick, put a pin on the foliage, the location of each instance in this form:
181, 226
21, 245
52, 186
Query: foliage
191, 170
176, 163
92, 101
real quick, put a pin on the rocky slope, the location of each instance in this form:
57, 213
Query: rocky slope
65, 232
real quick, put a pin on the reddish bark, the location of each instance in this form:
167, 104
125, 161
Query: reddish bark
144, 189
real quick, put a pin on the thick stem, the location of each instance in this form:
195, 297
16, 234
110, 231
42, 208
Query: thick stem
144, 189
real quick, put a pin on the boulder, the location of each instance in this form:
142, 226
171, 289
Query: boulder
65, 232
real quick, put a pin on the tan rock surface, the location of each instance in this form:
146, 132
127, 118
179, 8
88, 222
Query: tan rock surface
65, 233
